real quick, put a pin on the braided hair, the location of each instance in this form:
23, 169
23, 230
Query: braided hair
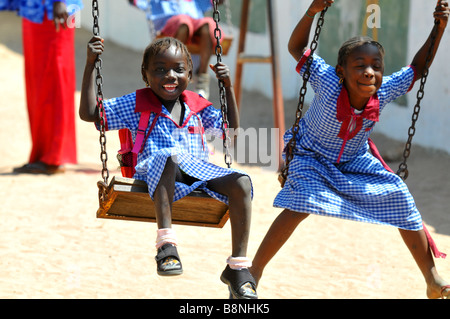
350, 45
160, 45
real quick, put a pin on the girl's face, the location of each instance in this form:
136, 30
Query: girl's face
168, 74
362, 74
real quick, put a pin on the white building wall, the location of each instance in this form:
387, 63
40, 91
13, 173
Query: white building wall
432, 128
127, 26
119, 22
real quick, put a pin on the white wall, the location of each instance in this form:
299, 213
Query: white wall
127, 26
432, 128
119, 22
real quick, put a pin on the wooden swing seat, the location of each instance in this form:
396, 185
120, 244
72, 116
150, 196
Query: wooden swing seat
195, 48
128, 199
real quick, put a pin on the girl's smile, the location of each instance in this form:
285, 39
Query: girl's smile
170, 88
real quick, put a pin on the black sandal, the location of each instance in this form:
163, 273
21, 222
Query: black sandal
167, 261
39, 168
241, 283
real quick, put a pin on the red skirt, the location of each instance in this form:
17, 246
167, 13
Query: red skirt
50, 90
173, 24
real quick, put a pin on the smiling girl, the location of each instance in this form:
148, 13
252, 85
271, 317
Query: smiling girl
174, 167
332, 172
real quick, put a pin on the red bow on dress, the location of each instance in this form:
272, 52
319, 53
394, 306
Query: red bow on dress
352, 122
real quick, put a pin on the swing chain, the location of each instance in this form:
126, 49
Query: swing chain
290, 147
222, 93
99, 97
403, 167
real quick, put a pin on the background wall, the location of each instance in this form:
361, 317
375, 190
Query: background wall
405, 24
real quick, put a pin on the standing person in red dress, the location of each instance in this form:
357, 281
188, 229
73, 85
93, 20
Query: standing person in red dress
49, 54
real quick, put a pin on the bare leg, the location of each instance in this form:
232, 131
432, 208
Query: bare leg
167, 258
417, 243
182, 33
205, 43
163, 195
238, 189
280, 231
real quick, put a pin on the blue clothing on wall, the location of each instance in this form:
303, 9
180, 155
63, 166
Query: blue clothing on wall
163, 10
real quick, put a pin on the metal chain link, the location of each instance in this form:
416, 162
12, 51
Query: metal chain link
299, 112
222, 93
403, 167
99, 97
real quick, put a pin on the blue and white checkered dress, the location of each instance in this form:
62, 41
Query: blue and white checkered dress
335, 176
168, 139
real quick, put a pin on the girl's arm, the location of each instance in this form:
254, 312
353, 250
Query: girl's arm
88, 102
299, 39
223, 73
441, 14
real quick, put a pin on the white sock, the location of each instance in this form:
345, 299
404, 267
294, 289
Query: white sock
165, 236
239, 263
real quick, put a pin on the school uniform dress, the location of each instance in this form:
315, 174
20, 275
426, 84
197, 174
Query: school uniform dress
332, 172
168, 15
164, 138
50, 80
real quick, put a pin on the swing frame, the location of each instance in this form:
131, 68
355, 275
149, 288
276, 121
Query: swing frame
128, 198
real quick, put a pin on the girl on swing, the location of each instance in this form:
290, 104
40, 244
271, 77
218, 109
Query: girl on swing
172, 166
332, 173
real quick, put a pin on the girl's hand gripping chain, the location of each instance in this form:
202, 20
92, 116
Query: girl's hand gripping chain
299, 39
88, 102
318, 6
95, 47
222, 73
442, 13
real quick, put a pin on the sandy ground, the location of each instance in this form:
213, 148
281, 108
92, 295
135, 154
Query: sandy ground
53, 246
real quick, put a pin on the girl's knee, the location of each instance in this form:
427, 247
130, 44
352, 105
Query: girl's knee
294, 216
241, 186
204, 31
171, 166
183, 33
168, 176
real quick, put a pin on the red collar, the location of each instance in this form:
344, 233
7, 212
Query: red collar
345, 113
344, 109
352, 123
146, 100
